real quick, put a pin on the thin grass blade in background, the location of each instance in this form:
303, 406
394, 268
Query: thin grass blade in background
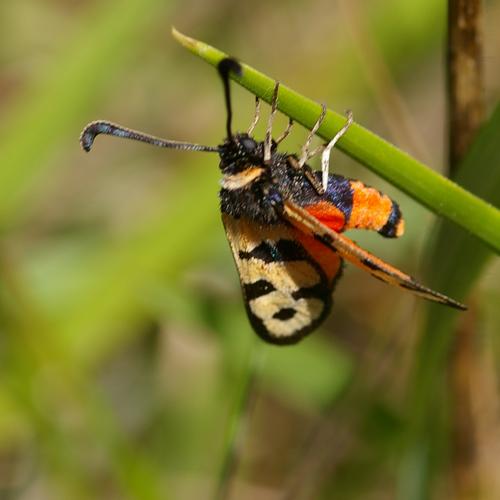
51, 109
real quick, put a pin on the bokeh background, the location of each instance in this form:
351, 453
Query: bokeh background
127, 366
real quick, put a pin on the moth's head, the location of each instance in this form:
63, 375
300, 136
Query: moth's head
240, 151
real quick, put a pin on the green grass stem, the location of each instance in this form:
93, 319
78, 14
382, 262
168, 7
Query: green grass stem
436, 192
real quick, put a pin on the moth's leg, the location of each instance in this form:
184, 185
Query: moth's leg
269, 139
325, 157
284, 135
308, 173
300, 164
305, 153
256, 116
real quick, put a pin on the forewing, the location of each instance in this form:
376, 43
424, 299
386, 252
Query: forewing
286, 290
347, 249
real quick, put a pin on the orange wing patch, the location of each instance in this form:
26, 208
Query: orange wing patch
328, 214
331, 263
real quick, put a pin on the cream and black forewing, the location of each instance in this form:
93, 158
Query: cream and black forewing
286, 292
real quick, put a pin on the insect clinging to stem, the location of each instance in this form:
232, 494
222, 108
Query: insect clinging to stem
284, 221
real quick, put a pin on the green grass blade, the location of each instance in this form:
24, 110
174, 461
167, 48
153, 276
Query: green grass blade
47, 114
454, 249
235, 429
439, 194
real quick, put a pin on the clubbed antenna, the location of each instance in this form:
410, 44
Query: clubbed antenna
225, 67
92, 130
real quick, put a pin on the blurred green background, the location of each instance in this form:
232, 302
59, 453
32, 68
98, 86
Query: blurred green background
127, 366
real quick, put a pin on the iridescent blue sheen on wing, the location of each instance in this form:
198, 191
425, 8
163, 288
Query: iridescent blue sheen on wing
339, 193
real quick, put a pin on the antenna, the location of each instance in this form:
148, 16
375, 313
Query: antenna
93, 129
225, 67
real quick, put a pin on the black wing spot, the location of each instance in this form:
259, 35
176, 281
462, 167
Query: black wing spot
324, 238
319, 291
258, 289
370, 264
285, 314
280, 251
264, 252
409, 286
290, 250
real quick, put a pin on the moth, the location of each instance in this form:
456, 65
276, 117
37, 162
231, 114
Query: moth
284, 221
